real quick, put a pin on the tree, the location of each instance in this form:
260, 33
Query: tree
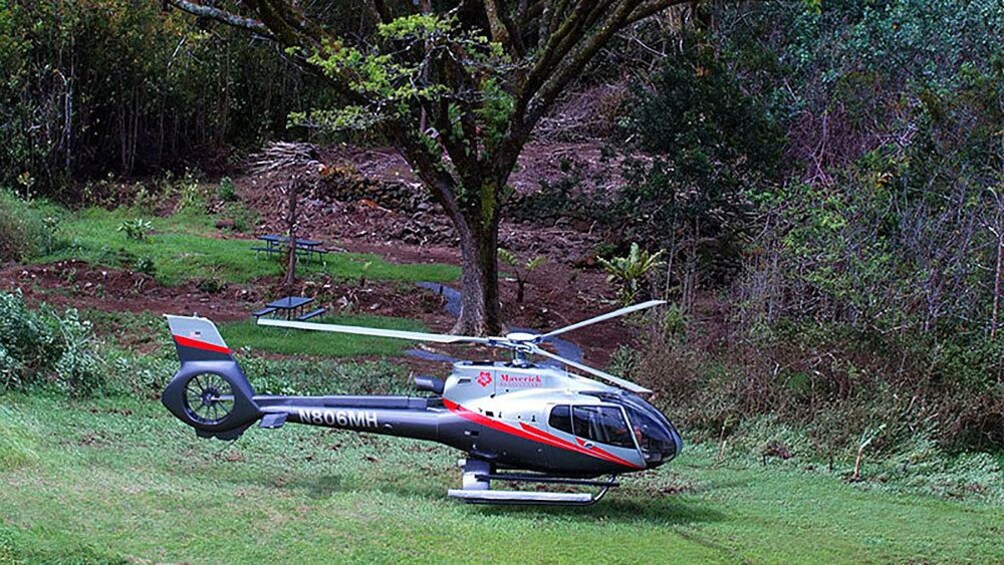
480, 74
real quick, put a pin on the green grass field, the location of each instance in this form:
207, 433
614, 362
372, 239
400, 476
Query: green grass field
110, 479
296, 342
187, 246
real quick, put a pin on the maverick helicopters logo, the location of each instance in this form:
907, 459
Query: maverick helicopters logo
526, 381
485, 378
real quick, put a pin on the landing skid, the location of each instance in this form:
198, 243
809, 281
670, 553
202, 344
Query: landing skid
477, 488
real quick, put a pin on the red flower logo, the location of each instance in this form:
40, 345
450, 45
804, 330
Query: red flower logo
485, 378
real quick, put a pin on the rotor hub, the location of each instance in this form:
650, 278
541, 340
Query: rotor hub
521, 337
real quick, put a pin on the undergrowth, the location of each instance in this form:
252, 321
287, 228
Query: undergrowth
43, 349
910, 415
27, 228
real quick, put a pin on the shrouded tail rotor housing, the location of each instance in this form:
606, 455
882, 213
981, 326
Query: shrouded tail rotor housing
209, 392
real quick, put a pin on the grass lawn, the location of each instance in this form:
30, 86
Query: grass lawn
247, 333
184, 247
109, 479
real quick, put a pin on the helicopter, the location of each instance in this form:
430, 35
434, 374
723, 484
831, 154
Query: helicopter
517, 421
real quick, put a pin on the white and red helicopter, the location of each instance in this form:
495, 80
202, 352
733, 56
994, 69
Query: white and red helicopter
539, 423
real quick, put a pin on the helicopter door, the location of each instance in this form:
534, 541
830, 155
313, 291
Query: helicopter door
603, 427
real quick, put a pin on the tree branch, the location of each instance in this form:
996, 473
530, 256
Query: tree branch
222, 16
649, 8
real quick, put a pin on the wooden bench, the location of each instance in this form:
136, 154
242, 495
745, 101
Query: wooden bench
311, 314
263, 312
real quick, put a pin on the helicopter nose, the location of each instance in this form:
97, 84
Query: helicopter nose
665, 450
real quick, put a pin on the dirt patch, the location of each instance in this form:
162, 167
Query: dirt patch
77, 284
371, 197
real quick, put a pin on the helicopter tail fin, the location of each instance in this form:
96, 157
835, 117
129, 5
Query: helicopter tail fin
197, 339
210, 391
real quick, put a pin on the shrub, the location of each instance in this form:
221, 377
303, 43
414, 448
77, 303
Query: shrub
521, 269
631, 272
27, 229
211, 285
39, 348
226, 192
191, 194
145, 265
136, 229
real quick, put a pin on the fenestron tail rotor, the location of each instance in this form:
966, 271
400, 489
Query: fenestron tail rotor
519, 342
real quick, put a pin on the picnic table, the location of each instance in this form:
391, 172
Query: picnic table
290, 307
277, 243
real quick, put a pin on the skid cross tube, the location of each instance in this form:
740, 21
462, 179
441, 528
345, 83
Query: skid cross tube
531, 478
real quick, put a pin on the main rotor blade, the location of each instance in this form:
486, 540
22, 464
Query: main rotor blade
375, 332
606, 316
623, 383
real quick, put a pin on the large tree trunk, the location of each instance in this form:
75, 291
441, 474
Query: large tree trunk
480, 311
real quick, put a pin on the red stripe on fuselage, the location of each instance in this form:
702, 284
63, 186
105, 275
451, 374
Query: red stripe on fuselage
189, 342
535, 434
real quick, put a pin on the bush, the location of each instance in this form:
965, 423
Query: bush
631, 272
27, 229
833, 384
145, 265
226, 192
39, 348
136, 230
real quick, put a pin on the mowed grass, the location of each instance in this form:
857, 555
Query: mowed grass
187, 246
299, 342
121, 479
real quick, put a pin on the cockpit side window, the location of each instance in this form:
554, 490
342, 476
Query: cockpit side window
561, 418
602, 424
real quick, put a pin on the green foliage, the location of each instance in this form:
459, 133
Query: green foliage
39, 348
376, 75
192, 195
393, 86
226, 191
136, 230
521, 269
713, 143
145, 265
494, 114
322, 377
27, 228
631, 273
115, 85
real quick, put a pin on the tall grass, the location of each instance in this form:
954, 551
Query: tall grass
27, 229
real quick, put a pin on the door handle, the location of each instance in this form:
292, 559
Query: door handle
588, 445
